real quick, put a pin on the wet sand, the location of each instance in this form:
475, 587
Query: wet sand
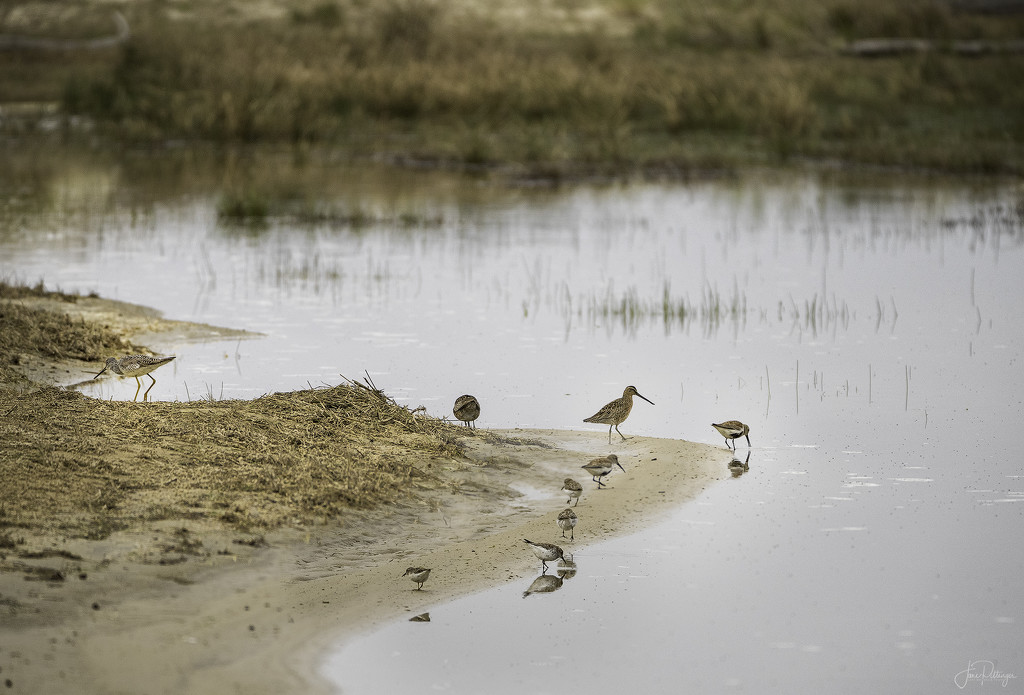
260, 620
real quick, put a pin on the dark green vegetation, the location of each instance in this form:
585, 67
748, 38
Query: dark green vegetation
558, 88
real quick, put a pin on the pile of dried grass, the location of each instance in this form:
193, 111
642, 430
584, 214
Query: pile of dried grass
27, 332
84, 467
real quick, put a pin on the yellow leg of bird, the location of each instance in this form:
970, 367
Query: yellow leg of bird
145, 396
139, 386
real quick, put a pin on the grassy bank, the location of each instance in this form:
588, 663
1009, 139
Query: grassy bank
82, 468
608, 85
30, 333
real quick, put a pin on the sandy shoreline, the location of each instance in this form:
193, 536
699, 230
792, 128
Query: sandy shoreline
186, 604
263, 624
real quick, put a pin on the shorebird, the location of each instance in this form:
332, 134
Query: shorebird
467, 409
599, 468
418, 575
136, 366
616, 412
573, 489
545, 552
733, 429
567, 522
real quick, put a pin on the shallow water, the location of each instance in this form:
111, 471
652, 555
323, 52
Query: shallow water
866, 330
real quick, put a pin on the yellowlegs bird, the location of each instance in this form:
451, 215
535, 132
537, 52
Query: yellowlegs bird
418, 575
567, 522
545, 552
599, 468
467, 409
573, 489
136, 366
544, 584
733, 429
616, 412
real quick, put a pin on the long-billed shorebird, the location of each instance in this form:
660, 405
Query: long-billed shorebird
615, 413
567, 522
136, 366
732, 430
599, 468
418, 575
545, 552
573, 489
467, 409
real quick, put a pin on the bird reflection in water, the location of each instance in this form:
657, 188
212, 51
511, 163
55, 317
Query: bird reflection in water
737, 467
544, 584
566, 569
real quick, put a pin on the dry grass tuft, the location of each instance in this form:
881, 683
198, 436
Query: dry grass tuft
85, 468
81, 467
28, 333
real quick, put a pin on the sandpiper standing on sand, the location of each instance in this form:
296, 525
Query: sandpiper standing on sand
732, 430
573, 489
136, 366
467, 409
615, 413
599, 468
418, 575
567, 522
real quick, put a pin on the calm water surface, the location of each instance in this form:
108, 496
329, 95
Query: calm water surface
867, 330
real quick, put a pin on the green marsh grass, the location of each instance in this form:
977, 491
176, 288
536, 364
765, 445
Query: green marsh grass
563, 88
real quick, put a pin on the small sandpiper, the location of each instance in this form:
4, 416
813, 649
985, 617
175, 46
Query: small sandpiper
573, 489
467, 409
545, 552
418, 575
136, 366
732, 430
615, 413
599, 468
567, 522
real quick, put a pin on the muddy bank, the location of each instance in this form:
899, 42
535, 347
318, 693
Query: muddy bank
258, 620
